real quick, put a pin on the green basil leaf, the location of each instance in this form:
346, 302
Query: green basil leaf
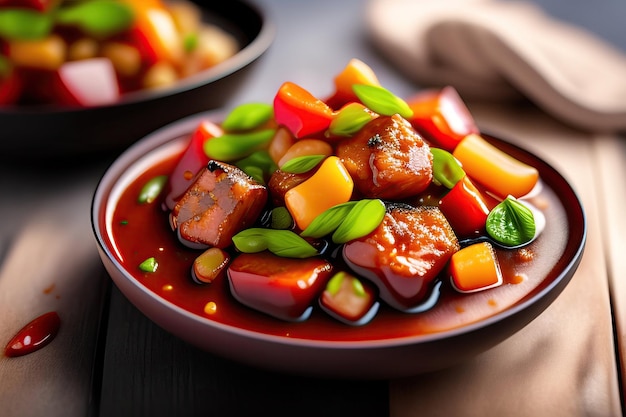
447, 170
280, 242
302, 164
511, 223
24, 24
98, 18
233, 146
350, 119
248, 116
364, 217
382, 101
328, 221
151, 189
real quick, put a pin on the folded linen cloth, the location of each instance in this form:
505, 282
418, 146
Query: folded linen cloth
489, 49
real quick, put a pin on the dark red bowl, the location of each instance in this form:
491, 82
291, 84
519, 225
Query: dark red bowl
52, 132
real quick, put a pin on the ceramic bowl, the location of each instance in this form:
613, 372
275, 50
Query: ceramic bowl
338, 350
52, 132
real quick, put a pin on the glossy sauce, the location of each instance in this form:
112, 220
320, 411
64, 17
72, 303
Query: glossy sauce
34, 336
143, 231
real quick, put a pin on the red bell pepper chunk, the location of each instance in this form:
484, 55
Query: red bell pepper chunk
466, 208
39, 5
191, 162
300, 112
74, 83
11, 85
442, 117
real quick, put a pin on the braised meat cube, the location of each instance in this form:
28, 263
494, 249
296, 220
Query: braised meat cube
387, 158
222, 201
404, 255
285, 288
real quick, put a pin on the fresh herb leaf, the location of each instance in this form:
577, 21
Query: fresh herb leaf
364, 217
328, 221
149, 265
511, 223
233, 146
350, 119
447, 170
98, 18
280, 242
302, 164
382, 101
248, 116
151, 189
24, 24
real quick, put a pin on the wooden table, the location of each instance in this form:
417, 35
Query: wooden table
110, 360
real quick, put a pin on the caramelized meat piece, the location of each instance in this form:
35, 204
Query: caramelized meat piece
222, 201
387, 159
404, 255
284, 288
280, 182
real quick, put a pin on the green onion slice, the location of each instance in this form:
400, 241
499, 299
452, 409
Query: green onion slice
447, 170
232, 146
364, 217
248, 116
283, 243
382, 101
350, 119
302, 164
151, 189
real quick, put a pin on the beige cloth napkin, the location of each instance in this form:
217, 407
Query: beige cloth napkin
497, 50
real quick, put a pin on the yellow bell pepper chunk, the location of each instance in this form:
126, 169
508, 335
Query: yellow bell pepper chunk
496, 170
47, 53
330, 185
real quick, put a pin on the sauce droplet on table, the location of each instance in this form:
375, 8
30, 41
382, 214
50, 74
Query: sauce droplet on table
34, 336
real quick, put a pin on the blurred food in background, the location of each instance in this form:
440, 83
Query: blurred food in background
88, 53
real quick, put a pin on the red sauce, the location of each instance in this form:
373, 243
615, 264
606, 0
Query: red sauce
143, 231
34, 336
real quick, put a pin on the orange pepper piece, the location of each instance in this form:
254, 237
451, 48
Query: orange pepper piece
496, 170
330, 185
355, 72
475, 268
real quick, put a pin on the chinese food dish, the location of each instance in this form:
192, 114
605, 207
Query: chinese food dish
89, 53
353, 213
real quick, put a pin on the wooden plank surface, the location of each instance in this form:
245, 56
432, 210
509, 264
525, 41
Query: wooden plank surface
148, 372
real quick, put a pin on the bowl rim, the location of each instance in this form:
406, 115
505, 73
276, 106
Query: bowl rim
246, 55
172, 133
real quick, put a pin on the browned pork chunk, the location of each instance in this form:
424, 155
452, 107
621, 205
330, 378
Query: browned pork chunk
404, 255
222, 201
387, 159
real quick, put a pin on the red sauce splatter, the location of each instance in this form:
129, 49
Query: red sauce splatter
35, 335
